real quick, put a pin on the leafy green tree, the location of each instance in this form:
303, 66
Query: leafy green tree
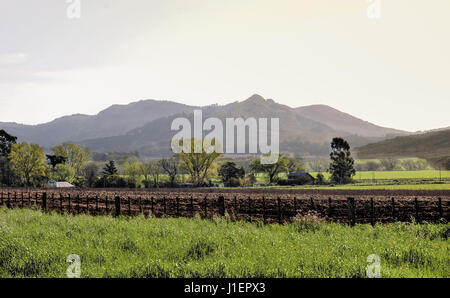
76, 156
6, 142
28, 163
271, 170
341, 166
132, 168
198, 165
63, 172
230, 173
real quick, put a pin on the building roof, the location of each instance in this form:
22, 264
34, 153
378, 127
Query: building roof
64, 184
299, 174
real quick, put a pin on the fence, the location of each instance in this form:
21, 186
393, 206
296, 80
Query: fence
272, 209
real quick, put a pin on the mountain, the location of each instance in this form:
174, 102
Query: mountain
300, 133
145, 126
433, 146
115, 120
346, 122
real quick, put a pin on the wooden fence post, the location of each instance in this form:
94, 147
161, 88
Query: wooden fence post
249, 209
61, 202
8, 201
96, 205
140, 205
235, 208
416, 203
206, 207
221, 205
153, 207
177, 201
70, 205
312, 203
117, 205
264, 209
330, 210
165, 205
29, 199
1, 196
106, 204
295, 206
44, 202
372, 212
393, 209
440, 208
279, 211
351, 211
129, 206
15, 199
78, 203
192, 206
21, 198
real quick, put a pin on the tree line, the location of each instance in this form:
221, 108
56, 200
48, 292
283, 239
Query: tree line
23, 164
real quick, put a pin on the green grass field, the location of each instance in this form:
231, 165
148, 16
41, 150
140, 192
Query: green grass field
33, 244
392, 175
444, 186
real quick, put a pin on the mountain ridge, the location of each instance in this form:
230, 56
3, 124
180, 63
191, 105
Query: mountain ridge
145, 126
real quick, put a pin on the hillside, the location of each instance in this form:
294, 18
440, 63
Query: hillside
144, 126
115, 120
298, 134
433, 146
346, 122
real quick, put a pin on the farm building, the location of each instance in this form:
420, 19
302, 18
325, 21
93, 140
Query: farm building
301, 178
60, 184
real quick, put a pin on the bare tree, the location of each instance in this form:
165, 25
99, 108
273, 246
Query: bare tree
170, 167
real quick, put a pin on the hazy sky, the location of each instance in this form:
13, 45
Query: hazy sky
393, 71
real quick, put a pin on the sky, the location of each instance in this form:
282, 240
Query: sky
389, 66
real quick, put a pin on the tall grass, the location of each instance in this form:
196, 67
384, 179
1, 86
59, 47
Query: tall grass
33, 244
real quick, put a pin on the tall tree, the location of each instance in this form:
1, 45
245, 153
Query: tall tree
110, 174
90, 173
170, 167
342, 163
76, 156
6, 142
198, 165
28, 163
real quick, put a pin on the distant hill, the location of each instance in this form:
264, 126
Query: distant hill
144, 126
433, 146
115, 120
299, 133
346, 122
